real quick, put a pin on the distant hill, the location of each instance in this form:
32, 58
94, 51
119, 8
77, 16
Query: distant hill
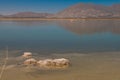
89, 11
116, 7
116, 10
30, 15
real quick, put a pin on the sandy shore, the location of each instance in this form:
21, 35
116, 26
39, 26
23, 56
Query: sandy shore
91, 66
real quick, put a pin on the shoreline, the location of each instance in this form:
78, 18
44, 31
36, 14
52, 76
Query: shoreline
82, 64
71, 19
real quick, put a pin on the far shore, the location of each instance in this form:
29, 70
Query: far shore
71, 19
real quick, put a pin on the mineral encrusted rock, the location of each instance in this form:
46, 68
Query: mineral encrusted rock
31, 61
27, 55
54, 63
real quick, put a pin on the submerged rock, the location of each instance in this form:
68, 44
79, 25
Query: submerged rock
27, 55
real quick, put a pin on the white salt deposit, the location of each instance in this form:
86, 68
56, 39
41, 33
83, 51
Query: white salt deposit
31, 61
53, 63
27, 55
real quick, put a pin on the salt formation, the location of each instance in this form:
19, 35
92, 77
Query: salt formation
46, 63
61, 62
31, 61
54, 63
27, 55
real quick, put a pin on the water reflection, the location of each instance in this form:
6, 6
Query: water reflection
92, 26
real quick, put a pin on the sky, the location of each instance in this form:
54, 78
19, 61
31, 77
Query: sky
51, 6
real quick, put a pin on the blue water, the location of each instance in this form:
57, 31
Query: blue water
61, 36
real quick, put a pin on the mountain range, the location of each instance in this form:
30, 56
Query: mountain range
90, 11
30, 14
80, 10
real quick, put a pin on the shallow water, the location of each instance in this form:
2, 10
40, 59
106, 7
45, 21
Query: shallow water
92, 46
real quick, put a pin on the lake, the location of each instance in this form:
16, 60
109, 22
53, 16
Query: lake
93, 47
61, 36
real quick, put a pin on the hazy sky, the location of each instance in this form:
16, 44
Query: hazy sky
13, 6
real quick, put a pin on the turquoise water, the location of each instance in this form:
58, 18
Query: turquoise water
61, 36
